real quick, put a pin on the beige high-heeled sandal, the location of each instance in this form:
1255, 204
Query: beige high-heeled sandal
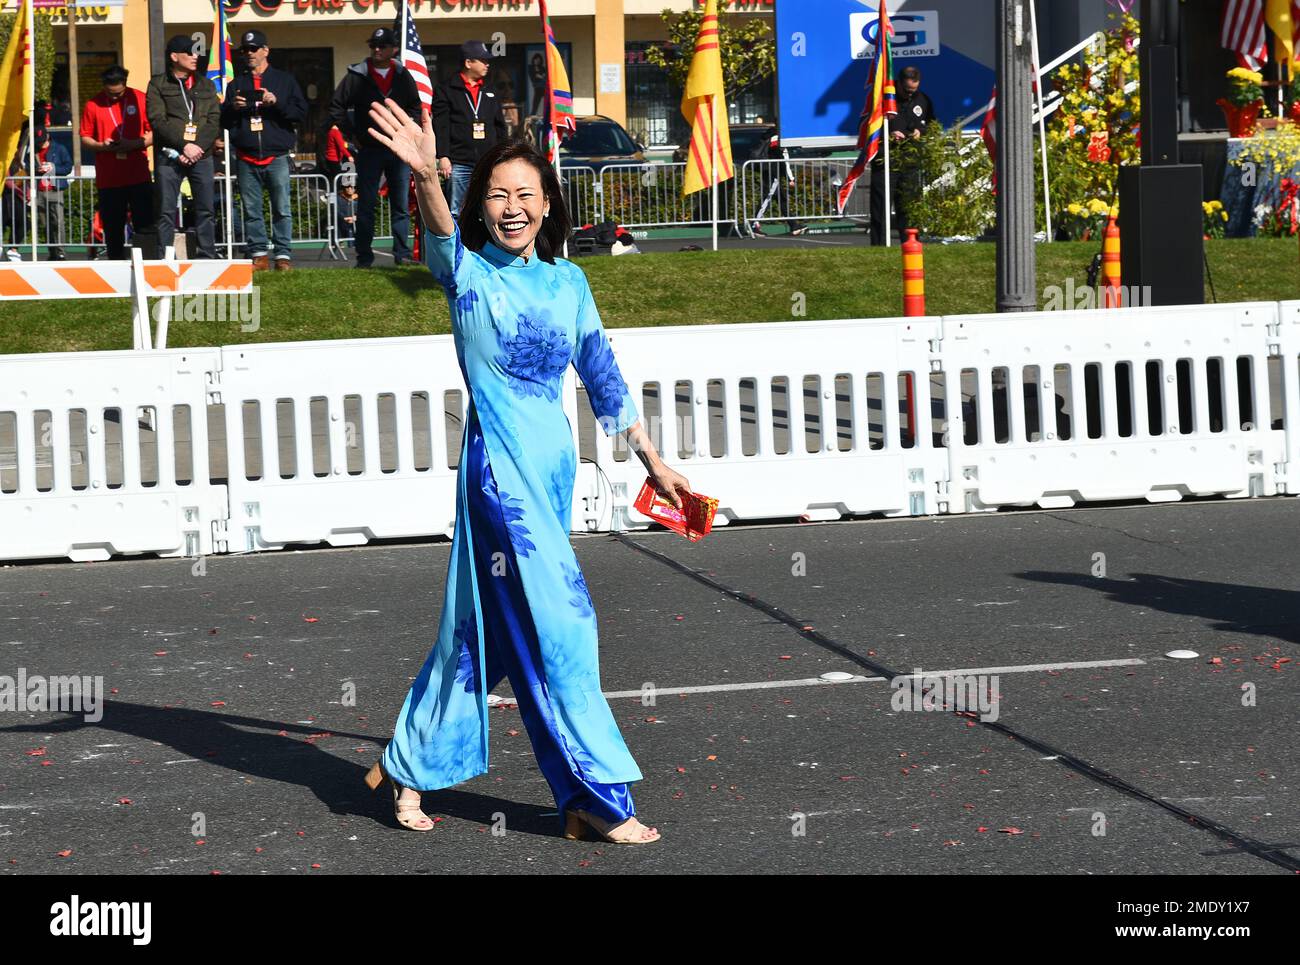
578, 823
376, 776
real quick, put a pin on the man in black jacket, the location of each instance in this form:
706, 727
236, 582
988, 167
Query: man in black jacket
261, 109
914, 112
185, 115
377, 77
467, 120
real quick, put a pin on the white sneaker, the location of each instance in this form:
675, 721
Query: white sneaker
13, 254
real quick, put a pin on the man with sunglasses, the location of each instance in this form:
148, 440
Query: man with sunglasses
261, 110
182, 107
375, 78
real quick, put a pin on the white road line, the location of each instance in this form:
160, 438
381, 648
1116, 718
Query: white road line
819, 682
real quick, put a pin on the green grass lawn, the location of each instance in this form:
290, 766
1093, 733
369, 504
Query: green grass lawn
692, 288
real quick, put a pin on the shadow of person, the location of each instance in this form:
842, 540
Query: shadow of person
1263, 610
222, 740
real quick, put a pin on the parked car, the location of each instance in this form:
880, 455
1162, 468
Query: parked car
749, 142
598, 142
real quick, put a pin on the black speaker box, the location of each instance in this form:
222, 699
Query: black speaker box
1161, 226
1159, 73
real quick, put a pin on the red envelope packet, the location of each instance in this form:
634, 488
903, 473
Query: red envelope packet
694, 520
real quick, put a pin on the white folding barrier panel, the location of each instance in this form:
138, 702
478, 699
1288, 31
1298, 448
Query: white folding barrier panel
1139, 403
105, 453
341, 442
778, 419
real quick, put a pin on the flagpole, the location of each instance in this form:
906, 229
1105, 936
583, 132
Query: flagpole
31, 117
74, 92
713, 170
1042, 123
889, 200
230, 202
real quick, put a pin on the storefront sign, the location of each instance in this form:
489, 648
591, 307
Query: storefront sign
916, 34
369, 6
58, 12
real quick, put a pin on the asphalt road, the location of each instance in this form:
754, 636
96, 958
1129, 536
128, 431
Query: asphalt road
229, 742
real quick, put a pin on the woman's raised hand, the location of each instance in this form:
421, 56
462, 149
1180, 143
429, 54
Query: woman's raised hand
413, 143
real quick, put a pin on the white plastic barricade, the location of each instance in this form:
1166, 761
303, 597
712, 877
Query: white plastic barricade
1138, 403
105, 453
778, 420
341, 442
1286, 344
136, 279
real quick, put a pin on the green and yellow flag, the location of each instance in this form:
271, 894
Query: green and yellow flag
17, 85
704, 105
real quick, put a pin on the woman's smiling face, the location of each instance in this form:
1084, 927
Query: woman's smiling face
514, 206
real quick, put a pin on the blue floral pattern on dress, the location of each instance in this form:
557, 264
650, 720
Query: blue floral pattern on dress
512, 510
579, 597
534, 359
467, 662
605, 385
561, 483
466, 301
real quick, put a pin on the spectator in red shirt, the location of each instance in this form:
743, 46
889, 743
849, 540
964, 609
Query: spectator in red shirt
116, 131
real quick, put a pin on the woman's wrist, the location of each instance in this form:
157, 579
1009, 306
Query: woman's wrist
426, 173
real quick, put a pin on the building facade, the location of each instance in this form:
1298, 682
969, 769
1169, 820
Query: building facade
604, 43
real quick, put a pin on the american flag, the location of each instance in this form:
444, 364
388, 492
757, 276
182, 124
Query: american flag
1243, 31
412, 54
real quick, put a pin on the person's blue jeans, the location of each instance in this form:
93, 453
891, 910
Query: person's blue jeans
253, 180
372, 163
459, 185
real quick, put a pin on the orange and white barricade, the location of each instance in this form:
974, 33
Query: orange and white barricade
137, 280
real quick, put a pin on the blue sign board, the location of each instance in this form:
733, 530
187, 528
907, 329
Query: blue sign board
825, 50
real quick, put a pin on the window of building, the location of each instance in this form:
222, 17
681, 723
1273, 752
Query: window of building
654, 102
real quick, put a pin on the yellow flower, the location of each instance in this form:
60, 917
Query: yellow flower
1075, 208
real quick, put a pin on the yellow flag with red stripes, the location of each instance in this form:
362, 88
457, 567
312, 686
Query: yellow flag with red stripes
704, 105
16, 85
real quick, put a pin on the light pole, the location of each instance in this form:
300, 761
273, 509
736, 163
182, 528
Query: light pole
1017, 281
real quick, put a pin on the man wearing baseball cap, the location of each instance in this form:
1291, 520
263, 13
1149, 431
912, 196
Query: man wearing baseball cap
185, 115
467, 120
262, 107
373, 79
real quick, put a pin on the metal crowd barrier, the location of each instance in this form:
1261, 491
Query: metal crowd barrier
801, 189
64, 218
632, 195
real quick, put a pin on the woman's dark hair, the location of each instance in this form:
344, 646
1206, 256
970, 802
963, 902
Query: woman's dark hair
116, 74
555, 226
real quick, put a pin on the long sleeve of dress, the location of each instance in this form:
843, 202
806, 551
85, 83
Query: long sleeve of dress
449, 261
594, 360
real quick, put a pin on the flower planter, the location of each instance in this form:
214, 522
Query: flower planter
1241, 117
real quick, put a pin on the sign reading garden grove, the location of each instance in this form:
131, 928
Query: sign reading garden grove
367, 6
